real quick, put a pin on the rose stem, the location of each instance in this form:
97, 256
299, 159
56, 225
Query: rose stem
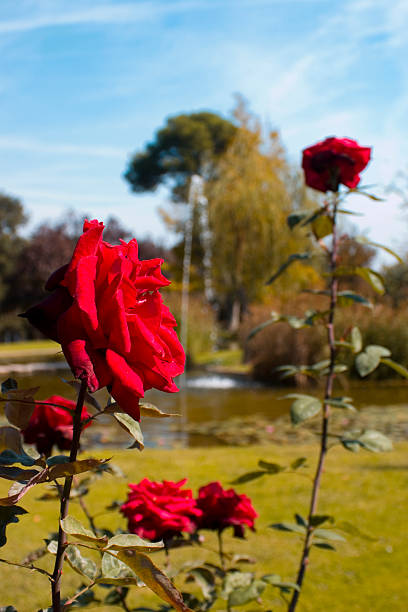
221, 549
62, 539
120, 591
326, 413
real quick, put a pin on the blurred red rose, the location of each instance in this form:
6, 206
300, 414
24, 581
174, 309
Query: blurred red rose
108, 315
160, 510
51, 425
224, 508
334, 161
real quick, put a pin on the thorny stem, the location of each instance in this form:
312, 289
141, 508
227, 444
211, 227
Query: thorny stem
81, 592
326, 412
28, 566
122, 593
222, 559
221, 549
87, 514
62, 538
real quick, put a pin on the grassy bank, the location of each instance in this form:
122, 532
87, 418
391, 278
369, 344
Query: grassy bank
365, 489
29, 348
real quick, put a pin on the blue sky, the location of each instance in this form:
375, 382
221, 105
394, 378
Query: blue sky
85, 83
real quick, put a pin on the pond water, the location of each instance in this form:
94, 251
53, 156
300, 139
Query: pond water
206, 397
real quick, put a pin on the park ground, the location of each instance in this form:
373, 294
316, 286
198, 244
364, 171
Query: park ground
365, 489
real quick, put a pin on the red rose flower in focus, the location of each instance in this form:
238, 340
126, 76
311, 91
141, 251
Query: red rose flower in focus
50, 425
160, 510
334, 161
106, 311
224, 508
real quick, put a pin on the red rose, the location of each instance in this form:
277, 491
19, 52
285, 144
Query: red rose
334, 161
106, 311
221, 509
51, 425
160, 510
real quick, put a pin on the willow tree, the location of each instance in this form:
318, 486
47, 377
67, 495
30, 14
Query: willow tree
249, 201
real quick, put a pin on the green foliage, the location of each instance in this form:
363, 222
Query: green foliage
371, 440
279, 344
248, 204
360, 558
132, 427
188, 144
8, 515
12, 216
304, 407
368, 360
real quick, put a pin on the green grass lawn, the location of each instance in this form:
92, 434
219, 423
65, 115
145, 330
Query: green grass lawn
368, 490
29, 347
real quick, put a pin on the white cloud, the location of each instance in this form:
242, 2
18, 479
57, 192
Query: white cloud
115, 13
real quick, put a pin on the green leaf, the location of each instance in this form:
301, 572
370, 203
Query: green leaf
340, 402
342, 211
132, 427
304, 407
395, 366
8, 385
296, 218
371, 276
351, 444
249, 476
16, 473
63, 469
150, 410
375, 441
153, 578
356, 340
288, 527
300, 520
347, 298
260, 327
376, 349
73, 527
116, 572
319, 519
18, 413
234, 580
9, 457
115, 596
271, 578
52, 547
298, 463
322, 226
275, 580
338, 369
354, 531
243, 595
131, 541
271, 468
367, 361
324, 545
364, 240
10, 440
328, 534
18, 490
82, 565
8, 515
291, 259
57, 460
205, 580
